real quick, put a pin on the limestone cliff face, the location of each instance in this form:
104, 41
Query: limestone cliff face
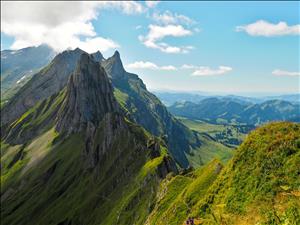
89, 97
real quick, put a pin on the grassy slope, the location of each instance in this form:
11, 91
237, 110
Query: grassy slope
36, 120
226, 134
73, 193
261, 183
178, 195
210, 148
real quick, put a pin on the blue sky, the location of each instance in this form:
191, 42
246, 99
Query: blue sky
227, 47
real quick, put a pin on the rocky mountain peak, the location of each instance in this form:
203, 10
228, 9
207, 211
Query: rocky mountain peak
97, 56
114, 66
118, 65
116, 54
89, 97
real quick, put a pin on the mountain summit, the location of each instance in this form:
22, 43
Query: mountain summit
114, 67
97, 56
89, 97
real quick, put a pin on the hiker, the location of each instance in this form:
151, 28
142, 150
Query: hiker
191, 221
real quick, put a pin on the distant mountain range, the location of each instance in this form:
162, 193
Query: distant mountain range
229, 110
169, 98
18, 66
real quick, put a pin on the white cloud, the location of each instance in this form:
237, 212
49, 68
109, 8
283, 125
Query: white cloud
59, 24
264, 28
128, 7
157, 33
278, 72
98, 43
207, 71
188, 66
138, 27
168, 24
168, 67
151, 4
169, 18
142, 65
149, 65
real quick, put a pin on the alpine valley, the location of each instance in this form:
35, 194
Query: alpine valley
83, 142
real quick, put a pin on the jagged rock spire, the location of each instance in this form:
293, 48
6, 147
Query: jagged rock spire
97, 56
114, 66
89, 97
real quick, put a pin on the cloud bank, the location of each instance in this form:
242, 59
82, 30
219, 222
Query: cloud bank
207, 71
61, 25
278, 72
150, 66
168, 24
171, 18
266, 29
156, 33
198, 70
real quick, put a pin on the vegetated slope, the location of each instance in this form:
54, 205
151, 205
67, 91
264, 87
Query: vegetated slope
261, 182
179, 194
87, 165
18, 66
230, 135
260, 185
209, 149
228, 110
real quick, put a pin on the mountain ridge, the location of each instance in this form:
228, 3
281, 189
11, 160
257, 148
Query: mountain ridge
141, 105
231, 111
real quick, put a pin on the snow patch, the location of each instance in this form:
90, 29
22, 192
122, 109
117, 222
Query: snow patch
22, 78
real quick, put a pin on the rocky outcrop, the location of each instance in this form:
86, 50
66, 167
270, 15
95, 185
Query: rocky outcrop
88, 98
97, 56
114, 67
